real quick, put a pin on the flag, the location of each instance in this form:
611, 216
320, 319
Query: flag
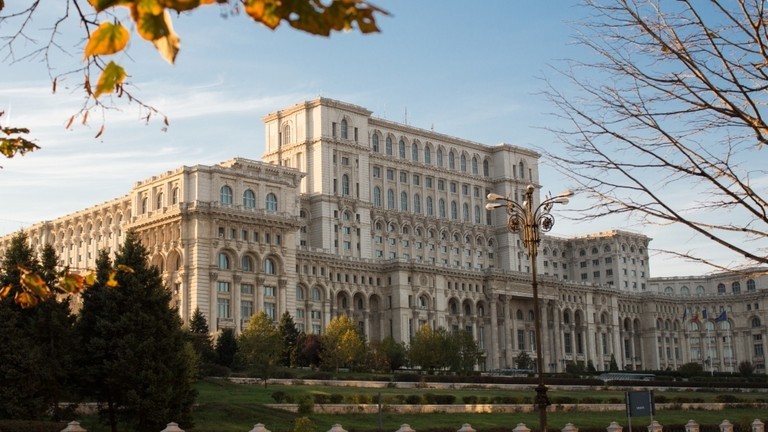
722, 317
704, 314
685, 312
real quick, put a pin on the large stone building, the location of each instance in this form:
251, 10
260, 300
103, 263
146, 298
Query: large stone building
384, 222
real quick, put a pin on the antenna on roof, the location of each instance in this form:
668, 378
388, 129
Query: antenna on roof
406, 116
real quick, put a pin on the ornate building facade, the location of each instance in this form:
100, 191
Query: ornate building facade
351, 214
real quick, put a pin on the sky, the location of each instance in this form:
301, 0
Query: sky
473, 70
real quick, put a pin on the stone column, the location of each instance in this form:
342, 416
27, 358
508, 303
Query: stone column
656, 427
494, 351
758, 426
521, 427
614, 427
259, 427
172, 427
405, 428
569, 427
691, 426
74, 426
725, 426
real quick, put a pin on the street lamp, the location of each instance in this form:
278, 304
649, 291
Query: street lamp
530, 222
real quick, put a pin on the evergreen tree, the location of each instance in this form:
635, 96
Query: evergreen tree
135, 360
523, 361
201, 341
396, 353
35, 356
226, 348
613, 366
290, 336
260, 347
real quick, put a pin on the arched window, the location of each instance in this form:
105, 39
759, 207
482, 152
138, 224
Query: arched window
750, 285
246, 263
454, 210
403, 201
271, 202
225, 195
223, 261
144, 205
755, 322
287, 134
519, 314
390, 199
669, 290
451, 160
389, 146
415, 152
566, 317
441, 207
375, 142
522, 170
721, 288
249, 199
725, 325
417, 203
685, 291
377, 196
345, 216
401, 149
474, 165
465, 212
160, 201
299, 293
736, 288
486, 169
316, 294
530, 315
175, 196
345, 185
430, 208
439, 157
477, 214
269, 266
427, 155
699, 290
344, 133
463, 163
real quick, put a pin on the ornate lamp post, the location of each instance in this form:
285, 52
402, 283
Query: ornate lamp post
530, 222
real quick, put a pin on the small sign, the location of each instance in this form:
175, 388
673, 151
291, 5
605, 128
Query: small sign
640, 403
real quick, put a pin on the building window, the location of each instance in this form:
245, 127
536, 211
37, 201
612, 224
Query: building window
415, 152
430, 210
269, 266
403, 201
454, 210
269, 291
416, 203
175, 196
375, 142
463, 163
246, 289
247, 263
750, 285
225, 195
344, 132
271, 202
377, 196
246, 309
316, 294
401, 148
223, 261
376, 172
736, 288
451, 160
249, 199
223, 308
427, 155
345, 185
144, 205
388, 146
222, 287
390, 199
439, 155
270, 310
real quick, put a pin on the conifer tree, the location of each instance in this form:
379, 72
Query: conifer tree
200, 336
136, 361
290, 336
226, 348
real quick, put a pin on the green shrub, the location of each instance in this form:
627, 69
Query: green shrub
445, 399
320, 398
279, 396
560, 400
413, 399
303, 424
728, 398
589, 400
306, 406
336, 398
661, 399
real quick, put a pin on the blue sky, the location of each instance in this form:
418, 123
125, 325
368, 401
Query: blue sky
468, 69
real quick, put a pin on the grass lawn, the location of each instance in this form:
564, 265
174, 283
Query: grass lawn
224, 407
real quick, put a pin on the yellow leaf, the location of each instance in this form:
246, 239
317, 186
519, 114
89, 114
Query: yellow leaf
184, 5
112, 282
71, 283
25, 300
151, 7
264, 11
100, 5
5, 291
90, 279
124, 268
112, 75
35, 284
109, 38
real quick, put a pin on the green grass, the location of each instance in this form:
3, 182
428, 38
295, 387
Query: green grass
226, 407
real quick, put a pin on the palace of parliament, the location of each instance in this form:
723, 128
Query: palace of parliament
351, 214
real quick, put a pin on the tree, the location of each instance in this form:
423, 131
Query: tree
107, 34
463, 352
290, 339
136, 362
691, 369
613, 366
342, 343
667, 124
260, 347
226, 348
200, 336
428, 349
36, 344
310, 350
395, 353
746, 369
524, 361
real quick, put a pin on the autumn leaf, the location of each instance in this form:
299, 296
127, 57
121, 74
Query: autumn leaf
5, 291
112, 282
100, 5
33, 283
112, 75
158, 29
72, 283
109, 38
25, 300
266, 12
124, 268
90, 279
